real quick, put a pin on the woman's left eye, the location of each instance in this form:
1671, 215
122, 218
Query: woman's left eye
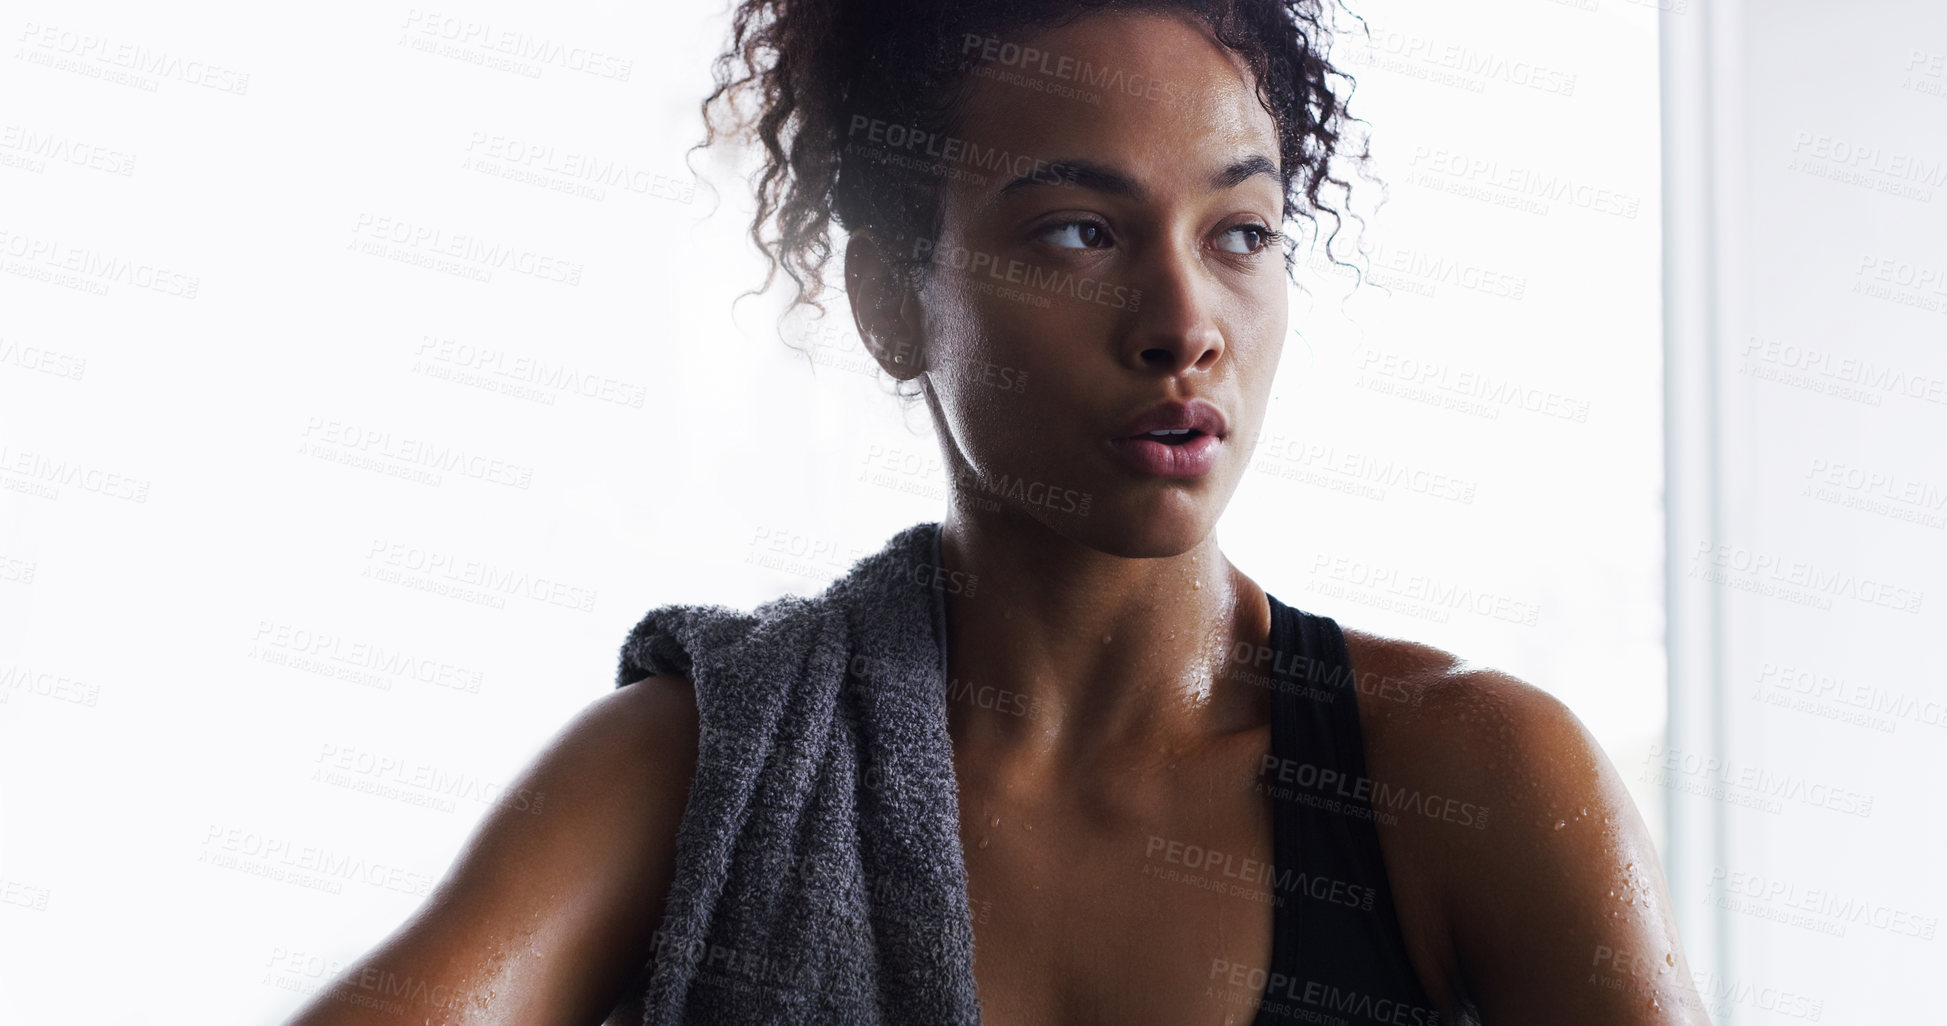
1253, 237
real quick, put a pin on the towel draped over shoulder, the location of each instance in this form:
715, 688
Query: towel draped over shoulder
819, 875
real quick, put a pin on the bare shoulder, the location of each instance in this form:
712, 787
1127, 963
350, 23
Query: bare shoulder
1523, 869
645, 719
550, 909
1514, 756
1412, 695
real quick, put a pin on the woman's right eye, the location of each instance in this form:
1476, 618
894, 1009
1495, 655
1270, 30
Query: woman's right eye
1076, 234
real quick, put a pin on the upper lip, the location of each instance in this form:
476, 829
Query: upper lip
1174, 414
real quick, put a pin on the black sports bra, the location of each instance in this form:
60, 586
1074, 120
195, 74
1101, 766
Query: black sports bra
1337, 953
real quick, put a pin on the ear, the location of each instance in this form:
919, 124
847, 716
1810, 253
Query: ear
883, 304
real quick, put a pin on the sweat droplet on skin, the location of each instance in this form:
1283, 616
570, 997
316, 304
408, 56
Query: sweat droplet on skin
1560, 823
983, 842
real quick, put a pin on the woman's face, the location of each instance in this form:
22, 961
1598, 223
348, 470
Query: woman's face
1109, 247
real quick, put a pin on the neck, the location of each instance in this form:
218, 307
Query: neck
1063, 652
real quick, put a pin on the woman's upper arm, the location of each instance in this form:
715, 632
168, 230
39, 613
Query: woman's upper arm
549, 911
1555, 905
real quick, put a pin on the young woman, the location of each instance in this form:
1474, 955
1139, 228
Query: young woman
1179, 799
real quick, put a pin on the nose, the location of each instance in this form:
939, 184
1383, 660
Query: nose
1174, 327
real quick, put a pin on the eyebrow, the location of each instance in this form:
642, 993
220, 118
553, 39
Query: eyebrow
1237, 172
1087, 174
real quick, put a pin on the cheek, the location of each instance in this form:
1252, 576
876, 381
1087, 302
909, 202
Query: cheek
974, 360
992, 336
1011, 373
964, 335
1260, 322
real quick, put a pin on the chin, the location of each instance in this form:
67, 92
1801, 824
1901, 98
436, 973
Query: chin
1142, 530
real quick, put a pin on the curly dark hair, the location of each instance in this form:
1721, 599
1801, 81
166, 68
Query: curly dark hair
817, 71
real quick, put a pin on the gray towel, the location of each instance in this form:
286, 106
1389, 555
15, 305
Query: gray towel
819, 875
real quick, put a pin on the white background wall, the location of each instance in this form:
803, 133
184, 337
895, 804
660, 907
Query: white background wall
263, 670
1809, 531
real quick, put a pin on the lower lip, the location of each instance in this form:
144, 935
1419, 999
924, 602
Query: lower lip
1194, 458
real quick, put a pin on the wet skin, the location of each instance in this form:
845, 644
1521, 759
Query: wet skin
1107, 629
